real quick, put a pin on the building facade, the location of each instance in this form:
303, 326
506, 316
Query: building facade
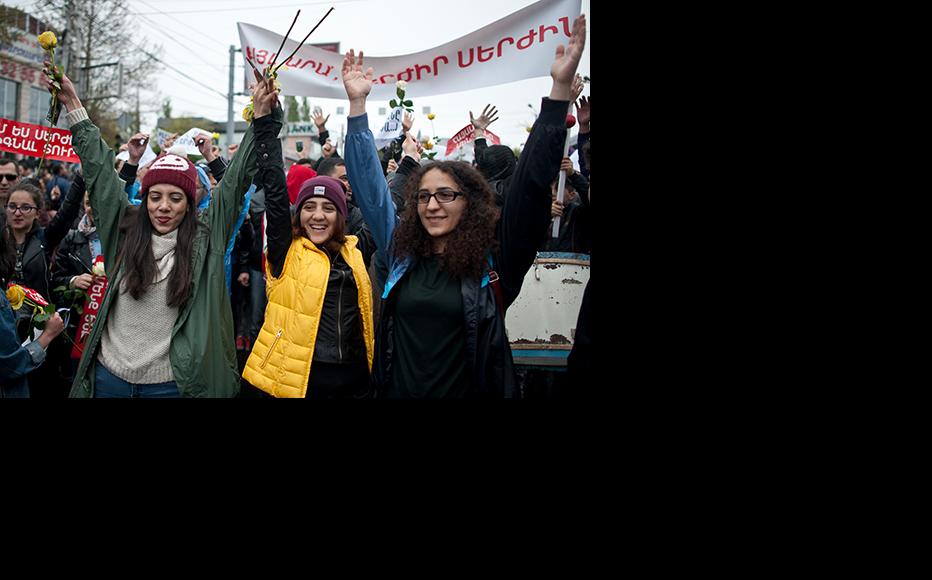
23, 96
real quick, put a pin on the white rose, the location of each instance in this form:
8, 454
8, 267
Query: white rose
98, 269
402, 85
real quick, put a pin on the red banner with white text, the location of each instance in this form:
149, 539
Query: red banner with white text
28, 139
465, 135
95, 296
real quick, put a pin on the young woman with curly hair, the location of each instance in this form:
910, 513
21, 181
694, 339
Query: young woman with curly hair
453, 266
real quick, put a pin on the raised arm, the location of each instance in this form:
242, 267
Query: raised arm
370, 190
97, 160
61, 223
260, 141
527, 204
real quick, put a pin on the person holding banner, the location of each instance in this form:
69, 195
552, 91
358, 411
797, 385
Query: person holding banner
164, 327
454, 267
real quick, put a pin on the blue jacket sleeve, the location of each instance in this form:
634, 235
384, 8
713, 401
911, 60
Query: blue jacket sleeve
15, 360
370, 190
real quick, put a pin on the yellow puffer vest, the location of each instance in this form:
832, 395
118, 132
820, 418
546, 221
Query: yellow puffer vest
280, 362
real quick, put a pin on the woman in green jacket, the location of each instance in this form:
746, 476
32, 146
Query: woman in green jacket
165, 327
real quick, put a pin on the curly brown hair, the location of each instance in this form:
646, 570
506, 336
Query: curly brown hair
474, 236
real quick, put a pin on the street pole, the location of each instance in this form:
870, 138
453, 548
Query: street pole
230, 123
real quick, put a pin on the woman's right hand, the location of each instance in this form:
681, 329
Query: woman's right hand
68, 96
82, 282
136, 147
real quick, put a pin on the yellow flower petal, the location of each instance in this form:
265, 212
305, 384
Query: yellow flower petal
47, 40
15, 295
431, 116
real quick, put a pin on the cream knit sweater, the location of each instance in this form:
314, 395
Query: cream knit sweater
135, 343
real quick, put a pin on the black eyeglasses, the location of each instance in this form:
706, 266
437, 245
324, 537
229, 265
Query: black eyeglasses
443, 196
9, 176
25, 208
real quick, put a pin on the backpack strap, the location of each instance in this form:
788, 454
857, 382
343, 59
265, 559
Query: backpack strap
496, 289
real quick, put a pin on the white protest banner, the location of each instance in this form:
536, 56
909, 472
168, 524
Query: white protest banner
391, 128
519, 46
148, 155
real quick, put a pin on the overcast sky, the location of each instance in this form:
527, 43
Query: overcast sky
196, 35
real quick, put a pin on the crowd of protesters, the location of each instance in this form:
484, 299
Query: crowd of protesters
365, 273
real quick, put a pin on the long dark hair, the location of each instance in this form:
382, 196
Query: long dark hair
467, 245
136, 256
7, 260
336, 241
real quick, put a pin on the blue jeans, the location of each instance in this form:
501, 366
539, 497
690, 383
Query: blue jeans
109, 386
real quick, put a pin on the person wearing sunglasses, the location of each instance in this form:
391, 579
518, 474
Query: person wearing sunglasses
165, 325
9, 177
454, 266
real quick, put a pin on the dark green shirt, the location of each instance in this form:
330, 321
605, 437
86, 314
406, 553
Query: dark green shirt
429, 356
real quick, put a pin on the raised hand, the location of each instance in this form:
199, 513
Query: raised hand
407, 122
582, 113
264, 98
68, 96
410, 146
392, 166
327, 148
320, 120
566, 60
136, 147
357, 82
577, 87
489, 115
205, 146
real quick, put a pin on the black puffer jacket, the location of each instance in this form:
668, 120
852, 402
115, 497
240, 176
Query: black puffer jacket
339, 335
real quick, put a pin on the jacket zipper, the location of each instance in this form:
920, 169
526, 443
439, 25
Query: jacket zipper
340, 316
278, 335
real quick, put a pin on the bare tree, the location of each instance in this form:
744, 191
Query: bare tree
105, 58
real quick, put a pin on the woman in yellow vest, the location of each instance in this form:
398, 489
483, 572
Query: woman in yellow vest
317, 339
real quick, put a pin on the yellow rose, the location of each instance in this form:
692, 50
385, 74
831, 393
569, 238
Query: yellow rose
47, 40
248, 113
16, 296
216, 136
428, 145
431, 116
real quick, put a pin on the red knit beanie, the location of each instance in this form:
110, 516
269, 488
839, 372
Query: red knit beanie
172, 169
297, 175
